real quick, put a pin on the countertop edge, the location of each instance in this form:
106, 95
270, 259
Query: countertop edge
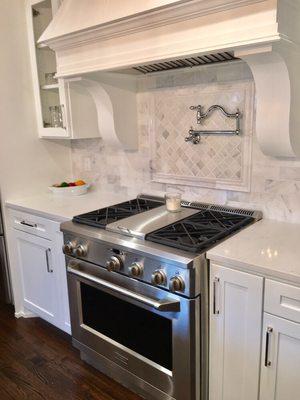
39, 213
253, 269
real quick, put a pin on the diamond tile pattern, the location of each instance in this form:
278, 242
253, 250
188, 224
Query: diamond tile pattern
216, 157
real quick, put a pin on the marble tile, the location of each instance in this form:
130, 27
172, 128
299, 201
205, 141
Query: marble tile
215, 171
290, 173
228, 155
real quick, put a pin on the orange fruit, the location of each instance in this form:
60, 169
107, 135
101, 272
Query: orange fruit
80, 183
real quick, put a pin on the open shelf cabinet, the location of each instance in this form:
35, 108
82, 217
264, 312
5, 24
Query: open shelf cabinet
76, 106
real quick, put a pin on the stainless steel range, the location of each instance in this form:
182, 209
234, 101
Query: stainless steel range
138, 290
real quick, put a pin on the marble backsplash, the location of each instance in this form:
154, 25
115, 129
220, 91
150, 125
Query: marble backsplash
218, 161
255, 181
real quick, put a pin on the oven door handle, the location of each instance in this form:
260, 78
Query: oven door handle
160, 305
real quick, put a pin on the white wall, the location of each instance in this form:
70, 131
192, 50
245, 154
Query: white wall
27, 164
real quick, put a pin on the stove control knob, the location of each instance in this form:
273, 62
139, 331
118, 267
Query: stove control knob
176, 284
158, 277
136, 269
68, 248
114, 264
80, 250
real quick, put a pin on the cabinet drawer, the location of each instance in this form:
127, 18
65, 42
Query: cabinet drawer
33, 224
282, 300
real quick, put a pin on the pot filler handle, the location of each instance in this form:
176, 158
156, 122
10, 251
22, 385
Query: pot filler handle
160, 305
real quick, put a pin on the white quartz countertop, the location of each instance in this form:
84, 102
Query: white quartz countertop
269, 248
61, 208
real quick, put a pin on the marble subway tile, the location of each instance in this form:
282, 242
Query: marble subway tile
282, 187
164, 119
289, 173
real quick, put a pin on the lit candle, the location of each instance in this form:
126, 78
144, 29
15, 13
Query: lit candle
173, 202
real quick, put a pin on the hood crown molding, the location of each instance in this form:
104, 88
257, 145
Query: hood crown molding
176, 30
172, 13
264, 33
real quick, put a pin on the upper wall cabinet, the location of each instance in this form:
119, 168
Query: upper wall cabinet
64, 108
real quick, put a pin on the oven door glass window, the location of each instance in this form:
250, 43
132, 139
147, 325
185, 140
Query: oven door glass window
140, 330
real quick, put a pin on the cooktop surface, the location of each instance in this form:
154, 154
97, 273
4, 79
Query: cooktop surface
104, 216
200, 231
192, 229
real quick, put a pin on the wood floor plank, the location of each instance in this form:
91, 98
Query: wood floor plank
38, 362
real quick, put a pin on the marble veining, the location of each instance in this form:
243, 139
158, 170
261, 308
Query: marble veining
217, 161
273, 183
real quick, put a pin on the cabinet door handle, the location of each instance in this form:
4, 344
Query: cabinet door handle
49, 269
28, 224
268, 339
63, 116
216, 311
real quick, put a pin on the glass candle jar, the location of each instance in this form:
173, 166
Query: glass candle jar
50, 78
55, 117
173, 202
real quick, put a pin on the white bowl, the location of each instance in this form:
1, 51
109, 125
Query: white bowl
70, 190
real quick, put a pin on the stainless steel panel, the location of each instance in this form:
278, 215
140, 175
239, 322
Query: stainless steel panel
183, 382
120, 374
98, 253
158, 252
140, 224
160, 305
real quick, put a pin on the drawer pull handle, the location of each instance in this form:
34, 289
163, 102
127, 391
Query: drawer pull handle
28, 224
216, 311
49, 269
268, 339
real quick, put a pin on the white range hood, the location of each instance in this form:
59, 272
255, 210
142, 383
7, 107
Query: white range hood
107, 35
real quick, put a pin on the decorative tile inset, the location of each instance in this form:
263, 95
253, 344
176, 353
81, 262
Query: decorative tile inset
217, 161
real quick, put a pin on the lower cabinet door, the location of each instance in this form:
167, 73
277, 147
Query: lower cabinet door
35, 258
235, 334
280, 369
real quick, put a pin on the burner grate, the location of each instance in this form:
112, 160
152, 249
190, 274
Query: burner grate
100, 218
199, 231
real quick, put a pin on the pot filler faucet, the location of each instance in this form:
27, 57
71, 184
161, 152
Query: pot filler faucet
195, 135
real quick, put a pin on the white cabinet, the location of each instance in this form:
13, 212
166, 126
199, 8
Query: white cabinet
235, 334
38, 268
283, 300
39, 275
280, 366
76, 113
280, 370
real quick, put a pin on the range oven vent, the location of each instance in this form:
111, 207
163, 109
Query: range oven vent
186, 62
257, 215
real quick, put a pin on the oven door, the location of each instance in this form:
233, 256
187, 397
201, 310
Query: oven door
152, 334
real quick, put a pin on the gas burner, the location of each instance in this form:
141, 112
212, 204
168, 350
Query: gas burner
199, 231
102, 217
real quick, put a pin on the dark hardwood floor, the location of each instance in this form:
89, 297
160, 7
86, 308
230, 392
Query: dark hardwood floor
38, 362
